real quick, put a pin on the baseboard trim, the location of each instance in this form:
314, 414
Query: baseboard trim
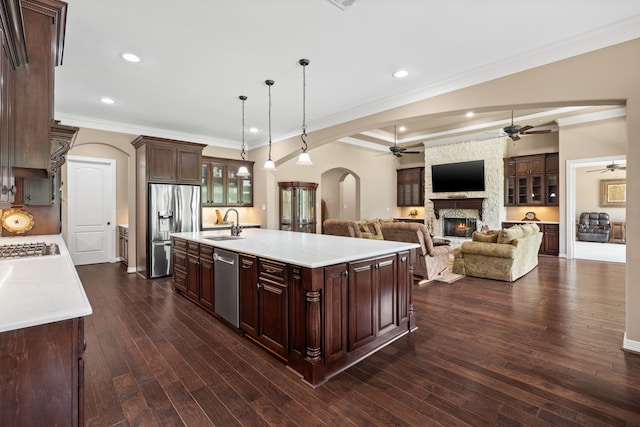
630, 345
131, 269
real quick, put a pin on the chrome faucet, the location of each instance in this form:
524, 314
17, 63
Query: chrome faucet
235, 229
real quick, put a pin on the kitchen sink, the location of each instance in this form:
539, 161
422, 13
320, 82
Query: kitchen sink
218, 238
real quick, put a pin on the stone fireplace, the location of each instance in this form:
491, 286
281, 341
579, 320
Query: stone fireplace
459, 227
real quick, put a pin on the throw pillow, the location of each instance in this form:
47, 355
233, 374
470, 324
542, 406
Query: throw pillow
508, 235
488, 237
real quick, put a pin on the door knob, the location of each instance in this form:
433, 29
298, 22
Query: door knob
108, 223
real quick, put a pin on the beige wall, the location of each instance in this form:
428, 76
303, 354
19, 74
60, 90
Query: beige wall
588, 192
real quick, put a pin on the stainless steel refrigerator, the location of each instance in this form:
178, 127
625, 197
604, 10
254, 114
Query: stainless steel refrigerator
173, 208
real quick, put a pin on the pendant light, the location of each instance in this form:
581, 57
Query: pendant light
303, 158
269, 165
242, 171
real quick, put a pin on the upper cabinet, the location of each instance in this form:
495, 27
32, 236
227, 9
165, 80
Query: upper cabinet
44, 29
531, 180
410, 187
220, 184
167, 161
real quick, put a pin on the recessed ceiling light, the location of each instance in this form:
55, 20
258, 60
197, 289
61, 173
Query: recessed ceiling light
253, 129
470, 114
402, 129
106, 100
131, 57
400, 74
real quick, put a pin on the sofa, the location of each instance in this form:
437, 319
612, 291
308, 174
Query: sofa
506, 254
431, 260
593, 227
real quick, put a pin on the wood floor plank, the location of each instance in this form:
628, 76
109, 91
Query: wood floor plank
544, 350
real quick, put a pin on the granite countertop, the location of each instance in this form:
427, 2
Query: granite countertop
303, 249
39, 290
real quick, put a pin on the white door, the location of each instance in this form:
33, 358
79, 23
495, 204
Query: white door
91, 209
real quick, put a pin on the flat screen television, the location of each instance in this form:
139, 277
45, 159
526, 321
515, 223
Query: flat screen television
458, 177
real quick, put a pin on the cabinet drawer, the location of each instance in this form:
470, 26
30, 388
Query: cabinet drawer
193, 248
551, 227
273, 270
206, 252
179, 261
180, 245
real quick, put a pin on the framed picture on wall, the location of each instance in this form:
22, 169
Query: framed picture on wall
613, 192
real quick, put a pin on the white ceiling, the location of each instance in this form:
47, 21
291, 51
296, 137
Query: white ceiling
198, 56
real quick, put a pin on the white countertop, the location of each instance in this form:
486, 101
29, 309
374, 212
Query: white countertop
39, 290
303, 249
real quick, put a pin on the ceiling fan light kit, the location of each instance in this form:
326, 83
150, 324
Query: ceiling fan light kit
514, 131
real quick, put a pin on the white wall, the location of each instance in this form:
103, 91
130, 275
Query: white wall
588, 192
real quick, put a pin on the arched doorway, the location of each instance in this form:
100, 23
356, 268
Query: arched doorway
340, 194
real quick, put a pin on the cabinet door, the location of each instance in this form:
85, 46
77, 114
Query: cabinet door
387, 293
249, 295
273, 315
246, 188
205, 189
206, 295
510, 191
161, 163
551, 241
552, 189
286, 208
7, 182
217, 184
362, 303
188, 165
336, 297
233, 187
193, 276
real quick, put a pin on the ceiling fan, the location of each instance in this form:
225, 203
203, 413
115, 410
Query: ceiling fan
514, 131
395, 149
610, 168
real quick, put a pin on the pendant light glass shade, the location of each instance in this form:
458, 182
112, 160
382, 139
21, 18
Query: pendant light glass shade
304, 159
269, 165
242, 170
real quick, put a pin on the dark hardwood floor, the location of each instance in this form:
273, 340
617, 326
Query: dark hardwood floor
545, 350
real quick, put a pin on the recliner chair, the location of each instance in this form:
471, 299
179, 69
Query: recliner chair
594, 227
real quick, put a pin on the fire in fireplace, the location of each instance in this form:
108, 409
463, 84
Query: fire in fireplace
459, 227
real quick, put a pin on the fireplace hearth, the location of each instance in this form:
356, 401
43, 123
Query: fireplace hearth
459, 227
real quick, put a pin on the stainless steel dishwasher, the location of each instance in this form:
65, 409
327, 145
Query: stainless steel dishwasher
227, 288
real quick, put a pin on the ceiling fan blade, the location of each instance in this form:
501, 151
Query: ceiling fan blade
597, 170
538, 131
514, 137
412, 152
523, 129
622, 168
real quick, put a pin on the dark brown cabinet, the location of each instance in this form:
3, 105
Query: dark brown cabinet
42, 375
372, 300
123, 244
410, 187
298, 206
264, 305
193, 272
7, 182
531, 180
168, 161
220, 184
550, 237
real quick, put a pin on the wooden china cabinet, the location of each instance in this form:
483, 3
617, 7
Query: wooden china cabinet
298, 206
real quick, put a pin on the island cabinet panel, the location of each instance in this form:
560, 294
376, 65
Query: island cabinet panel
273, 306
193, 270
179, 247
41, 373
372, 299
336, 297
248, 276
405, 283
206, 270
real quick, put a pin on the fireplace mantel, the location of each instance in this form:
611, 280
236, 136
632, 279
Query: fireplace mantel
462, 203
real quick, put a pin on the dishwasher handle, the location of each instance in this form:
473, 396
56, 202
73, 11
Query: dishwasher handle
217, 257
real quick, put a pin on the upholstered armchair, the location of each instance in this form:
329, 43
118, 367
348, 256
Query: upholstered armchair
594, 227
431, 261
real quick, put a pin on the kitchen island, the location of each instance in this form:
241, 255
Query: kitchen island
42, 306
319, 303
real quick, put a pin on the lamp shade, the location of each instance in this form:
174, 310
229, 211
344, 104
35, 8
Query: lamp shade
269, 165
304, 159
243, 171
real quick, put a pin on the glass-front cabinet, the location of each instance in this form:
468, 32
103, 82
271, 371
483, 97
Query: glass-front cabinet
298, 206
221, 185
